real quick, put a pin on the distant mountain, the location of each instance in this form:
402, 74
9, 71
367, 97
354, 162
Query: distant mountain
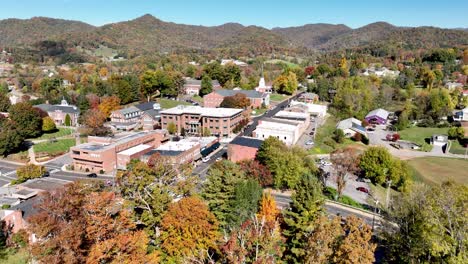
149, 34
28, 31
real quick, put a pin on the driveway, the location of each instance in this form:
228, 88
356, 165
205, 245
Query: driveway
378, 138
306, 136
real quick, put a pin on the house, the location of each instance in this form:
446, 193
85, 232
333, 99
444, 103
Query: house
243, 148
453, 85
381, 72
59, 113
193, 86
461, 115
439, 140
257, 99
235, 62
143, 115
308, 98
262, 87
197, 120
284, 130
377, 116
105, 154
351, 126
317, 110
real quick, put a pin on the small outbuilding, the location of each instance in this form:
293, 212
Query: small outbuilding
439, 140
377, 116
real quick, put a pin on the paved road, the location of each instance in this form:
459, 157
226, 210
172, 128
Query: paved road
202, 168
283, 201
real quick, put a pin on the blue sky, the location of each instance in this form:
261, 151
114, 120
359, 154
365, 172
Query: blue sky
266, 13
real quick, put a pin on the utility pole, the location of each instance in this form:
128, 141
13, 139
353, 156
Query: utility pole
387, 200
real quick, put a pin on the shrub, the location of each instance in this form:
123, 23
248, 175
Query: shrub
338, 136
365, 140
357, 137
101, 171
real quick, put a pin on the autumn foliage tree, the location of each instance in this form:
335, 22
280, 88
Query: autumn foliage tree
239, 100
109, 104
345, 162
94, 119
189, 230
255, 170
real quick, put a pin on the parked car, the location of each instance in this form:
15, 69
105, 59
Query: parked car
370, 129
362, 189
325, 163
311, 133
309, 143
45, 174
219, 159
92, 175
206, 159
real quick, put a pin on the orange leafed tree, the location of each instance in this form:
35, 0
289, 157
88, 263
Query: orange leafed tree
189, 230
109, 104
268, 208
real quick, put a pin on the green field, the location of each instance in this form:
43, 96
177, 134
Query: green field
55, 148
277, 61
434, 170
456, 148
59, 133
324, 142
277, 97
421, 135
198, 99
168, 103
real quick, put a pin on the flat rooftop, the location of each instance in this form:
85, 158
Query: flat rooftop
118, 139
203, 111
292, 115
134, 150
247, 142
182, 145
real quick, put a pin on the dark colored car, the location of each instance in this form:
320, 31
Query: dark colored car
46, 174
362, 189
92, 175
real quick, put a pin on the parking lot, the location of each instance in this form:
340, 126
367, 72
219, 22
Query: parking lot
308, 136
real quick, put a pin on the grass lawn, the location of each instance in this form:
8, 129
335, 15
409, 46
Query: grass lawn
277, 61
198, 99
55, 148
421, 135
435, 170
456, 148
59, 133
380, 194
277, 97
167, 103
324, 140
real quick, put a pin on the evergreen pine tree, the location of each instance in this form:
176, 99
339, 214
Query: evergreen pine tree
306, 206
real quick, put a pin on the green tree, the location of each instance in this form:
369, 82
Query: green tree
206, 85
456, 132
26, 119
5, 103
244, 204
353, 97
220, 189
306, 207
428, 225
29, 171
156, 81
338, 136
10, 138
375, 164
68, 120
171, 128
48, 125
286, 83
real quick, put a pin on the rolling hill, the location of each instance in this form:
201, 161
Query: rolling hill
149, 34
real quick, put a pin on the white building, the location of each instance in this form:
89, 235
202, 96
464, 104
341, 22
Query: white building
236, 62
453, 85
461, 115
381, 72
284, 130
262, 87
313, 109
351, 126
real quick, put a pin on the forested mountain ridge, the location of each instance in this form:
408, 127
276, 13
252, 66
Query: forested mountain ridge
149, 34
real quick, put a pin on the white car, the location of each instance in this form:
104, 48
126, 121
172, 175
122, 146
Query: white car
206, 159
325, 163
219, 159
309, 143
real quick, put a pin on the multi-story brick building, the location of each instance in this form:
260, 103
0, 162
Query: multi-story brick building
243, 148
144, 115
193, 86
257, 99
59, 113
109, 153
196, 120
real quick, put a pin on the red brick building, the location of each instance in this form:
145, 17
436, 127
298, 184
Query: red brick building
257, 99
243, 148
109, 153
194, 120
